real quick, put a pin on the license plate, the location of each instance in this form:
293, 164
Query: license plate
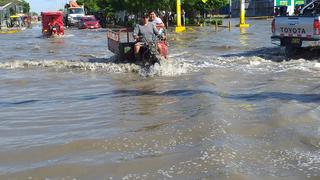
295, 41
91, 27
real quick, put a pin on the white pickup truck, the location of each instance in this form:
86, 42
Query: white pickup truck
73, 15
293, 32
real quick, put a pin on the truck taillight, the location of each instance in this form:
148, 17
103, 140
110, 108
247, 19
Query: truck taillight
316, 27
273, 26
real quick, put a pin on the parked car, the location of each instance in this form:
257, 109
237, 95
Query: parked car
89, 22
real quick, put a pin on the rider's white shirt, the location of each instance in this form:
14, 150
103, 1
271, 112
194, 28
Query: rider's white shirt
156, 21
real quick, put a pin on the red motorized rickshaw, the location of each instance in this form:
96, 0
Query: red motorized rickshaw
52, 24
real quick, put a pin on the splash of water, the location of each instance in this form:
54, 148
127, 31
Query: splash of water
166, 68
177, 64
169, 67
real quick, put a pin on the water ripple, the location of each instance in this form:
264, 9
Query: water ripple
7, 104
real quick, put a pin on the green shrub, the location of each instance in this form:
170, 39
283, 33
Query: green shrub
187, 21
131, 23
201, 20
207, 21
216, 21
192, 21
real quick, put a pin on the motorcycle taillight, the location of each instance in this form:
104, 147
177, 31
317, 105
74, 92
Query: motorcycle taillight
316, 26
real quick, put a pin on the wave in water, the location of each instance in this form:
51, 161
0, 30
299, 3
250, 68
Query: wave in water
166, 68
176, 64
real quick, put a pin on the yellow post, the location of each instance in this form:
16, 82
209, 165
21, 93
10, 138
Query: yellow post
179, 28
243, 15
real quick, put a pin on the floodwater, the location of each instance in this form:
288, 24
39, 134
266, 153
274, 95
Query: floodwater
224, 106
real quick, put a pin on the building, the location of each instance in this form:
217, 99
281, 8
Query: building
9, 8
264, 7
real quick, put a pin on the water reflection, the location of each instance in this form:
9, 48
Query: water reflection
243, 36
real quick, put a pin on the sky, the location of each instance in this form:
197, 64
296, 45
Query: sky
46, 5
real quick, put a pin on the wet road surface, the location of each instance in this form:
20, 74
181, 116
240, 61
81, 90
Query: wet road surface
226, 105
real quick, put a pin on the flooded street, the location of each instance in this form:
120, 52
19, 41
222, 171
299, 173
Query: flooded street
224, 106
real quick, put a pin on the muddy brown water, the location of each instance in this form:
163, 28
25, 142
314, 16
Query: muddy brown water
224, 106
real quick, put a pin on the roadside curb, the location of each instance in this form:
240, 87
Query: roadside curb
260, 17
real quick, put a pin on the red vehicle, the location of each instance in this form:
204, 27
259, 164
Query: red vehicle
89, 22
52, 24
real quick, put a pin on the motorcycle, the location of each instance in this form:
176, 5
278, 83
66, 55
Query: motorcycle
54, 30
149, 54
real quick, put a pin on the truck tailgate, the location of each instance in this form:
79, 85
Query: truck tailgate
294, 26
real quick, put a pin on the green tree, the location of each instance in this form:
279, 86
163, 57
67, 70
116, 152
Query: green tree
12, 11
91, 5
26, 6
192, 7
131, 6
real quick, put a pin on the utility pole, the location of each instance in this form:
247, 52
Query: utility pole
179, 28
230, 8
243, 15
230, 15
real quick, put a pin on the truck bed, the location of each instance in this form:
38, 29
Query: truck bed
121, 43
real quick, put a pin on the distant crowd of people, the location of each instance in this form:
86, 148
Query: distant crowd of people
19, 21
283, 10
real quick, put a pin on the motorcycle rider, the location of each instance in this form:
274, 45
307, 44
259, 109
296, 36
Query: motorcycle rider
54, 27
143, 32
162, 31
156, 20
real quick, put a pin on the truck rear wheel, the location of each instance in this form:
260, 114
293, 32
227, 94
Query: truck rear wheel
290, 48
290, 51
